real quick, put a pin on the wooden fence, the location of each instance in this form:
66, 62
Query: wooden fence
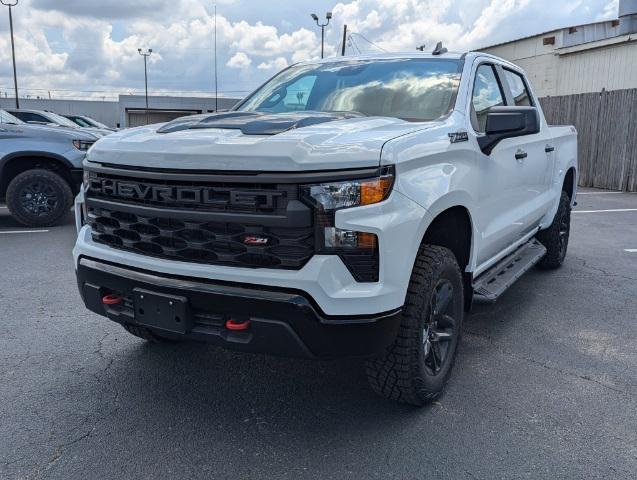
607, 126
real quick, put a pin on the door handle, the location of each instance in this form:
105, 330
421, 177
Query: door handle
521, 155
549, 149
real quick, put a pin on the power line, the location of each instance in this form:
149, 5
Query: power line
353, 44
369, 41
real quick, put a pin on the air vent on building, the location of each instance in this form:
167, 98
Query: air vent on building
549, 41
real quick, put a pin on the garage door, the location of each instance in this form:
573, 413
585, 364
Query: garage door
137, 118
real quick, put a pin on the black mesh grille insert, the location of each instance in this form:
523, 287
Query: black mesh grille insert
216, 243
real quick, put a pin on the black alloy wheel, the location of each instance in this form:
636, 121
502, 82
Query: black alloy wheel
439, 332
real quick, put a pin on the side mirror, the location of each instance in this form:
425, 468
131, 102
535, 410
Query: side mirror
508, 122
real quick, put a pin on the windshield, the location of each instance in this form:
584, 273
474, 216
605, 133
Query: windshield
94, 123
60, 120
6, 117
80, 121
411, 89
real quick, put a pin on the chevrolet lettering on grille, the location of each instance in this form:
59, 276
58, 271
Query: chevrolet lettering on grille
178, 194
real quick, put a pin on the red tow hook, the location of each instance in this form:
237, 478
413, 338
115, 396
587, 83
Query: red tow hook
235, 325
112, 299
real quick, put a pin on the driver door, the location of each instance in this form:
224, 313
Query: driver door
501, 187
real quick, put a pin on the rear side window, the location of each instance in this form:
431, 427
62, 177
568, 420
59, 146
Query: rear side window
518, 89
486, 95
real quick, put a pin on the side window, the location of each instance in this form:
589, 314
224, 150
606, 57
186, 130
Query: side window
31, 117
486, 95
518, 89
40, 118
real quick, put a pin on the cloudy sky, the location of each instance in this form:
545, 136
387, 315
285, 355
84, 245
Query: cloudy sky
88, 48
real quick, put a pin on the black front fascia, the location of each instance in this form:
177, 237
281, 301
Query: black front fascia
240, 219
282, 321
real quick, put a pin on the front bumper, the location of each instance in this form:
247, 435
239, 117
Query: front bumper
398, 222
282, 321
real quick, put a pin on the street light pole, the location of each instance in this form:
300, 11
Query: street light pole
145, 55
328, 16
13, 3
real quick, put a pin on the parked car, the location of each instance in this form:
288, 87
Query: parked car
40, 169
88, 122
44, 117
349, 207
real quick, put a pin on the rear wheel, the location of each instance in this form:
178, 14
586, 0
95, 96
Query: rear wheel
39, 198
555, 238
417, 366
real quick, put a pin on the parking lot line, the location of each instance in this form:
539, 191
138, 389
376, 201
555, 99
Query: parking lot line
600, 193
630, 250
23, 231
606, 211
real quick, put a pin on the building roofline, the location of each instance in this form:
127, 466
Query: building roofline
546, 32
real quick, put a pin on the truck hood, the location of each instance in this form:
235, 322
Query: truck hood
240, 141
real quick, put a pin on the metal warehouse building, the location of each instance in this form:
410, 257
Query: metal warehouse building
580, 59
130, 110
586, 75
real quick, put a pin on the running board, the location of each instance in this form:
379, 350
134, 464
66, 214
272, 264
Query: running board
495, 281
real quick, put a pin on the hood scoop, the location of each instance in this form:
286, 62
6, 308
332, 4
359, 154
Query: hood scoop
255, 123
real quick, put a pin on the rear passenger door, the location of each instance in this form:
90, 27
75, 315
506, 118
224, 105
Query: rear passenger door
537, 166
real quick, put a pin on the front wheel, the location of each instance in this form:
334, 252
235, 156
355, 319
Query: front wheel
417, 366
39, 198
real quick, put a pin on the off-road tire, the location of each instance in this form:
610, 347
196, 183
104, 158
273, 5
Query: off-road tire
54, 183
401, 373
145, 334
555, 238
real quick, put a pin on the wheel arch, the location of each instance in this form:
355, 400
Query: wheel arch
569, 185
19, 162
452, 227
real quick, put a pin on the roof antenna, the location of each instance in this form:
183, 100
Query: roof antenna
439, 50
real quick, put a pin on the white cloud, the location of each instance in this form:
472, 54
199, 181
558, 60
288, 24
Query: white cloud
239, 60
89, 48
278, 63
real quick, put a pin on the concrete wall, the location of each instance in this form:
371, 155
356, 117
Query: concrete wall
106, 112
609, 64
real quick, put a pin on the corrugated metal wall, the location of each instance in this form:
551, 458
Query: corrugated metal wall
582, 69
607, 135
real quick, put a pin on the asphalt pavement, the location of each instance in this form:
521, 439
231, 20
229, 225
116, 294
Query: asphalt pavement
545, 384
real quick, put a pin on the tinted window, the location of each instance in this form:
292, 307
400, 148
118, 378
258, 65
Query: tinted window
486, 95
80, 121
411, 89
518, 89
30, 117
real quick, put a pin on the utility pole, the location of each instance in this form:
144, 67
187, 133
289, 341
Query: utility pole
216, 79
146, 54
13, 3
344, 40
328, 17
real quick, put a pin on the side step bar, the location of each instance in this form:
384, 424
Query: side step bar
495, 281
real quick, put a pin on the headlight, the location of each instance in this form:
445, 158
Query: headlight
352, 193
83, 145
357, 250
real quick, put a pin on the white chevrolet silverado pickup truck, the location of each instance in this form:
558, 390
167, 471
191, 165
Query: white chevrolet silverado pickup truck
348, 207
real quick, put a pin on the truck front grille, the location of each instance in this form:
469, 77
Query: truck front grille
220, 243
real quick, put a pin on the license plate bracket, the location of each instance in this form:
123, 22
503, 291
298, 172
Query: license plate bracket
161, 311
